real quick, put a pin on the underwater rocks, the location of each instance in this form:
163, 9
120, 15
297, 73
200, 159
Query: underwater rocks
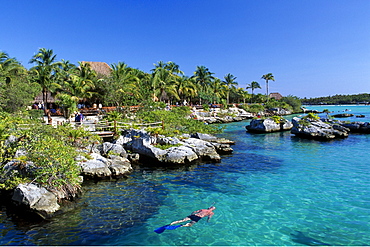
269, 125
317, 129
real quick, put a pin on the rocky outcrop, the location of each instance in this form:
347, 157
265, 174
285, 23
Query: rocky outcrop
343, 115
37, 199
233, 114
102, 167
357, 127
278, 111
180, 151
269, 125
316, 129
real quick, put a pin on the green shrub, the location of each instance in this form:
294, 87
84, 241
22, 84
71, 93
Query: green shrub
311, 116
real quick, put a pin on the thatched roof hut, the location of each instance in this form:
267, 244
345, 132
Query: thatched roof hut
100, 68
277, 96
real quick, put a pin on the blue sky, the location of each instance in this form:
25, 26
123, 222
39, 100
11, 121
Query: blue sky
312, 47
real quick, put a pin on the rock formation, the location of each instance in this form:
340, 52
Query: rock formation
317, 129
269, 125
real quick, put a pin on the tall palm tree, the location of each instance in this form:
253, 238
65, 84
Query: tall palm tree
268, 77
203, 78
253, 85
230, 84
45, 70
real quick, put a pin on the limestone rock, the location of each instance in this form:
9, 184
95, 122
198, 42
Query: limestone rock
268, 125
108, 147
120, 166
96, 167
357, 127
203, 149
316, 129
36, 198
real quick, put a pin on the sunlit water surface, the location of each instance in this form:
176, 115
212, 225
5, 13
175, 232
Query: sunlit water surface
275, 189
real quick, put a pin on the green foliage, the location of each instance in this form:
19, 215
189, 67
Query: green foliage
176, 122
205, 107
311, 116
304, 122
338, 99
277, 119
55, 164
114, 116
166, 146
255, 108
17, 94
294, 102
52, 151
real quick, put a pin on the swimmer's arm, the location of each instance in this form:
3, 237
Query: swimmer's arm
195, 212
210, 216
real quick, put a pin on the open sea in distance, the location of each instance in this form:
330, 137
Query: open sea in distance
275, 189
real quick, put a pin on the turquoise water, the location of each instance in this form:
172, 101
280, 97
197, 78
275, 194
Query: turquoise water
274, 189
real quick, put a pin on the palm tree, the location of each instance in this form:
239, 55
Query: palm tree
76, 88
242, 93
45, 70
253, 85
217, 89
9, 67
203, 78
268, 77
186, 87
230, 84
164, 84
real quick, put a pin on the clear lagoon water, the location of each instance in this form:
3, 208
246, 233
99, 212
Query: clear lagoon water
275, 189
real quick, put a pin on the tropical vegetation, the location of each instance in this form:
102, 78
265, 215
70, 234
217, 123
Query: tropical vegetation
338, 99
124, 86
48, 155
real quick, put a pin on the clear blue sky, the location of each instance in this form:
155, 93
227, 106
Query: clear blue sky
312, 47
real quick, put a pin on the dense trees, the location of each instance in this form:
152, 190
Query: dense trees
339, 99
45, 70
124, 86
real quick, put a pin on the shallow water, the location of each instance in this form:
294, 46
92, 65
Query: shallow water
274, 190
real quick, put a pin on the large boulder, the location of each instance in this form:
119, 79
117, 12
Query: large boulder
179, 155
316, 129
269, 125
358, 127
112, 148
120, 166
37, 199
343, 115
98, 166
205, 150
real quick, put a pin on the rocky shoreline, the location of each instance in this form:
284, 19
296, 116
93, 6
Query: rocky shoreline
309, 128
111, 160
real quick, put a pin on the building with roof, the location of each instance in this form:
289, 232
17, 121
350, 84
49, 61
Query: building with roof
101, 68
276, 96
